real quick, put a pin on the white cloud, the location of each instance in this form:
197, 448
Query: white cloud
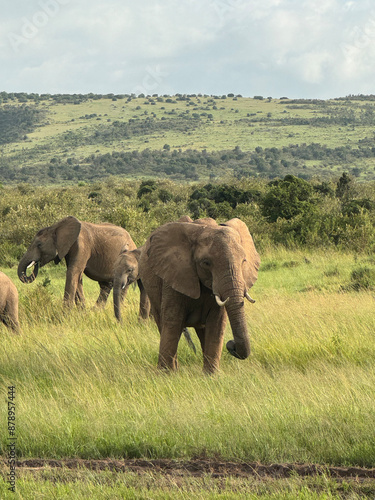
313, 48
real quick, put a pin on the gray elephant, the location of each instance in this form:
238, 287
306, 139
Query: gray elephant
90, 249
196, 274
126, 273
8, 303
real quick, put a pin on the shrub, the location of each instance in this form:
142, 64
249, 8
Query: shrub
361, 278
146, 187
287, 198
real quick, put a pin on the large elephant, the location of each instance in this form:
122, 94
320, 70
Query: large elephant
195, 273
126, 273
8, 303
88, 248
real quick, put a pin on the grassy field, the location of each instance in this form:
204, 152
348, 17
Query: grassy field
224, 124
227, 129
87, 387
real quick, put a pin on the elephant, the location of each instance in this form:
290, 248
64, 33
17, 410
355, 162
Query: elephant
196, 274
126, 273
8, 303
88, 248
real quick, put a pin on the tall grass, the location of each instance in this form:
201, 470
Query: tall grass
88, 387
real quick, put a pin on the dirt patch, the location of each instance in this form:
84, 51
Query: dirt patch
198, 467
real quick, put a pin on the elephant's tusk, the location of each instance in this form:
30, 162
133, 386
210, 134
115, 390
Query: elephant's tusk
249, 298
31, 264
220, 302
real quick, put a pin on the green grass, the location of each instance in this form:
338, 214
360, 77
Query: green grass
83, 484
87, 387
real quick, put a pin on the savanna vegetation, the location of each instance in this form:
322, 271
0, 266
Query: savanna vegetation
87, 387
49, 139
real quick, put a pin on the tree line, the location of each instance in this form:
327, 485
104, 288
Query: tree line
290, 212
301, 160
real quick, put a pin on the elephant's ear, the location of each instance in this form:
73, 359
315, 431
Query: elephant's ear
66, 232
207, 221
170, 256
137, 253
252, 256
185, 218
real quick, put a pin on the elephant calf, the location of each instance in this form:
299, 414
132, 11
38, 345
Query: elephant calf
126, 273
8, 303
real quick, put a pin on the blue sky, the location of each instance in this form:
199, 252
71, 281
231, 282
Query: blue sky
306, 49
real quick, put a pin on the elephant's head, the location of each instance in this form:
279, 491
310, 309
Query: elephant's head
50, 243
223, 258
125, 273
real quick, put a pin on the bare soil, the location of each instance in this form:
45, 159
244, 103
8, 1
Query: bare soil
199, 467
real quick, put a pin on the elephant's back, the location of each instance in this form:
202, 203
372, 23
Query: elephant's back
106, 233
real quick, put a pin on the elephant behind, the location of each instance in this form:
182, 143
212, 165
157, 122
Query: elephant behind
8, 303
90, 249
195, 274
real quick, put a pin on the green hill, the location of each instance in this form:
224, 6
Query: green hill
47, 139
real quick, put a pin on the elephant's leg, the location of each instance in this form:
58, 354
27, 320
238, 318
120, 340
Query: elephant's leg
171, 324
213, 340
105, 290
201, 332
73, 278
169, 338
79, 297
12, 315
144, 302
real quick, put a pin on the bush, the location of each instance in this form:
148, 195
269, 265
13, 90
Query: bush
287, 198
146, 187
361, 278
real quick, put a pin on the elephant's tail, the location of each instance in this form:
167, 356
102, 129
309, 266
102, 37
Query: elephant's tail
189, 340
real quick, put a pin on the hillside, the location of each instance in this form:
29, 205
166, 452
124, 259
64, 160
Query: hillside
48, 139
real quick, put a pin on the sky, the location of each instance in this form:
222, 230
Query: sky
274, 48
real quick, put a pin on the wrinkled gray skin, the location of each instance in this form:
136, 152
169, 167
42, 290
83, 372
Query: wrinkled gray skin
126, 272
8, 303
90, 249
196, 274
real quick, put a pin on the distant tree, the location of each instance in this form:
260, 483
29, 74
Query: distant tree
146, 187
287, 198
165, 196
343, 186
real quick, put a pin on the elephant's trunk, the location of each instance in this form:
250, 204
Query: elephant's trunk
26, 263
240, 346
117, 296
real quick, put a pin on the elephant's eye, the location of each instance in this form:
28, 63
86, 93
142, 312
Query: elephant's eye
205, 263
